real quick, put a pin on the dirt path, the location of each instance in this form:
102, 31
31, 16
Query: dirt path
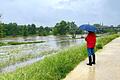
107, 67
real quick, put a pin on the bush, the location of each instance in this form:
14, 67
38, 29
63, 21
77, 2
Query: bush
99, 46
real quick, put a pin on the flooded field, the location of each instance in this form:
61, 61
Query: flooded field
13, 55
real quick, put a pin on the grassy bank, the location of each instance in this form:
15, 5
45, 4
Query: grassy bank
13, 60
19, 43
57, 66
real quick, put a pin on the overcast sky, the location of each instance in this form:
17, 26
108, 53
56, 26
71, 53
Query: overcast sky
49, 12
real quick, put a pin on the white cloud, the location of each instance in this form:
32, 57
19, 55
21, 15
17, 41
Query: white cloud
48, 12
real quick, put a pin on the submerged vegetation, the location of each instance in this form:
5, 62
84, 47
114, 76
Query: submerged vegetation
18, 43
15, 59
57, 66
2, 44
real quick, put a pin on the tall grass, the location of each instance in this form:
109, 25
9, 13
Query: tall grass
54, 67
14, 59
104, 40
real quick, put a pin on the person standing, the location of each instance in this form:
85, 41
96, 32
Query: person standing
91, 41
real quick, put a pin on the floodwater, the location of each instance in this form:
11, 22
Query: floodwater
51, 44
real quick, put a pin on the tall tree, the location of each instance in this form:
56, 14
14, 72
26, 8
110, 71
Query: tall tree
72, 29
60, 28
32, 29
12, 29
2, 30
40, 31
24, 30
47, 30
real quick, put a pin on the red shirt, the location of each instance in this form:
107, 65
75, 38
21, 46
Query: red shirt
91, 40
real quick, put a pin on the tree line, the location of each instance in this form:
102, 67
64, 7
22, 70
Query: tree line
12, 29
107, 29
62, 28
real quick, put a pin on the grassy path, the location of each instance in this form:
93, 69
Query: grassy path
107, 67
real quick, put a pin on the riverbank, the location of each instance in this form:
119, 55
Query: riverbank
107, 65
57, 66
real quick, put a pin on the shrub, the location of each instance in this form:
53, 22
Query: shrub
99, 46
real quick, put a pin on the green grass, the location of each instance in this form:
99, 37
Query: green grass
13, 60
104, 40
57, 66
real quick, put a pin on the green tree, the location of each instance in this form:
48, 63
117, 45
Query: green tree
72, 29
32, 29
47, 30
41, 31
55, 29
60, 28
12, 29
24, 30
2, 30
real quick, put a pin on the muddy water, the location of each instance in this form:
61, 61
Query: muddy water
52, 43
